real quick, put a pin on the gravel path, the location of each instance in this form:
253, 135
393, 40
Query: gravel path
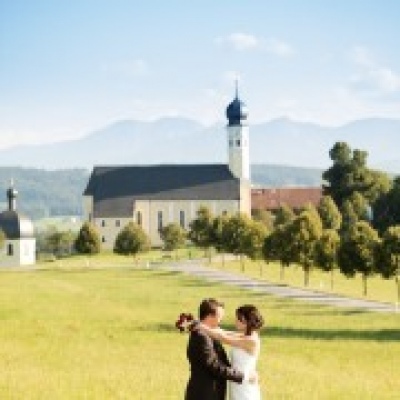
198, 269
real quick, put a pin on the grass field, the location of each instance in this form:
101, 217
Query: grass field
104, 329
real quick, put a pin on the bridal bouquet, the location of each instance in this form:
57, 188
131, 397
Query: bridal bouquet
185, 322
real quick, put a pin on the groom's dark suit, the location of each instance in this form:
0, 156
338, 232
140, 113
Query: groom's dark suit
210, 369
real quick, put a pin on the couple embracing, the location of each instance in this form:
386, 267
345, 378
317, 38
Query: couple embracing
210, 366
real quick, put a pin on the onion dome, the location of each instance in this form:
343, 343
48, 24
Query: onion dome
13, 224
236, 111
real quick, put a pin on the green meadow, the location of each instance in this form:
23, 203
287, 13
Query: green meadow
103, 328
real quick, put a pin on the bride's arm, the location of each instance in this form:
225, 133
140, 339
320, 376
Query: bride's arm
231, 338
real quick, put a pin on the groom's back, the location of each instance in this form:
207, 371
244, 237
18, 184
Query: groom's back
203, 384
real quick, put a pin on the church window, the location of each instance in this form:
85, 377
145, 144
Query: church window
160, 220
238, 143
182, 218
139, 218
103, 223
118, 223
103, 239
224, 212
10, 250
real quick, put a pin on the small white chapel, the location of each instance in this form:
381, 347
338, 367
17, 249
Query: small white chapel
20, 244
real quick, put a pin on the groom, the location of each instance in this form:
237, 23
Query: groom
210, 367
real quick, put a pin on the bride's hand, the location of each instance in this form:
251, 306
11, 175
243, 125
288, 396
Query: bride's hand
253, 378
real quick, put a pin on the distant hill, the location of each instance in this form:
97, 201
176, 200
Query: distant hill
180, 140
45, 193
282, 175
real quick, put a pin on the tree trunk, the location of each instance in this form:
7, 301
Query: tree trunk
365, 291
306, 276
242, 262
223, 260
282, 277
332, 276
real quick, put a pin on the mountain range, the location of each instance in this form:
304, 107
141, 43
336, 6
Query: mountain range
180, 140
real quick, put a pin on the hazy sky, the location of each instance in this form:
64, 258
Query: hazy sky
68, 67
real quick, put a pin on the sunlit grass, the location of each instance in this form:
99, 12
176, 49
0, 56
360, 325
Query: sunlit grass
105, 331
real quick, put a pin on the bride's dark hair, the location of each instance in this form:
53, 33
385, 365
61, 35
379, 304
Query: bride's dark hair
250, 315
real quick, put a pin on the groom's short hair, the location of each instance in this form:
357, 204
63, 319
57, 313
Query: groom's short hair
209, 307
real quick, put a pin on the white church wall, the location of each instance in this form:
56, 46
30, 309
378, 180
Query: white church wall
179, 211
18, 252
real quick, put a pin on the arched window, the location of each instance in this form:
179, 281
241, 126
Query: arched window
10, 249
238, 143
103, 239
103, 223
139, 218
117, 223
182, 219
160, 220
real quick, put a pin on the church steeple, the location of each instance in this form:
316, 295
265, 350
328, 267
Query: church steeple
238, 137
12, 196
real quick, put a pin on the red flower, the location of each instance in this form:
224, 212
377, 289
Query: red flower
185, 322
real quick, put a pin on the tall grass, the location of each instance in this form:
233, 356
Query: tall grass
106, 331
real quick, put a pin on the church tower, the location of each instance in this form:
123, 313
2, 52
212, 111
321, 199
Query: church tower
238, 138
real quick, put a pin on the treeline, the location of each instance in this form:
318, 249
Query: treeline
45, 193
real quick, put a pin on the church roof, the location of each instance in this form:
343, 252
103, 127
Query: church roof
15, 225
114, 188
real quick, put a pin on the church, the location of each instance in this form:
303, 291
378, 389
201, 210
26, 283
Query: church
156, 195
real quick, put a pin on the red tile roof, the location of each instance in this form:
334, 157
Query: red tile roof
273, 198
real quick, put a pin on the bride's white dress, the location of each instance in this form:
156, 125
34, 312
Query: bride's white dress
245, 362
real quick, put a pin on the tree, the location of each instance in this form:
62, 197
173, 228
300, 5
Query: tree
349, 216
327, 249
254, 241
390, 256
278, 247
59, 242
284, 215
131, 240
329, 213
306, 231
88, 240
358, 251
265, 217
349, 173
235, 235
216, 236
173, 236
200, 229
386, 208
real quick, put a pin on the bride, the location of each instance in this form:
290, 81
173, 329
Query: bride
245, 349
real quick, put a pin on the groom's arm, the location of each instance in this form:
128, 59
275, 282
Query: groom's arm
208, 358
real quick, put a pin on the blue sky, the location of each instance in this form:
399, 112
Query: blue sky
68, 67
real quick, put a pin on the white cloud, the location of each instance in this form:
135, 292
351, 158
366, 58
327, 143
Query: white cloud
373, 77
244, 41
136, 67
240, 41
278, 47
